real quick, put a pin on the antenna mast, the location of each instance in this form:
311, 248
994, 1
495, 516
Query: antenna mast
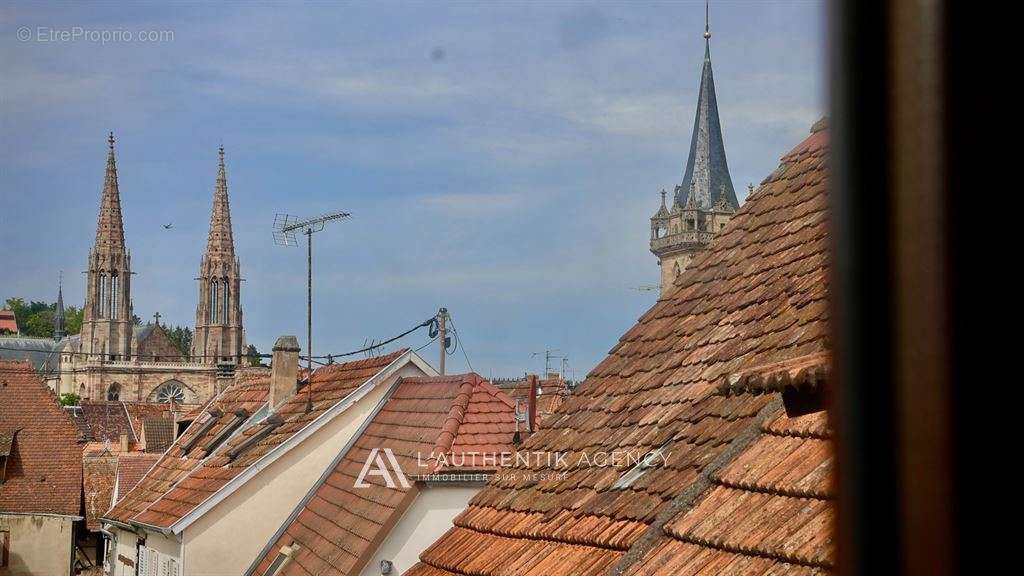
285, 227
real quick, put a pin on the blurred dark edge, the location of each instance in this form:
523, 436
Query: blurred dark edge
916, 211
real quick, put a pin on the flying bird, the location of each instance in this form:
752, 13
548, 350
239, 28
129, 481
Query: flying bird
168, 225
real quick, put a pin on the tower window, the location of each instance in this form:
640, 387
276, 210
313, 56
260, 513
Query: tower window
115, 286
101, 304
224, 311
114, 392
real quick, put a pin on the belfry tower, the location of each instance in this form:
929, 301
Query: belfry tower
218, 337
705, 200
107, 317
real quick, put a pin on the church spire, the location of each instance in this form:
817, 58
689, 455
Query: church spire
218, 336
109, 226
707, 172
220, 241
59, 330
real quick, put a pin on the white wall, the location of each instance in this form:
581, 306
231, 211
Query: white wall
228, 538
426, 519
39, 545
122, 548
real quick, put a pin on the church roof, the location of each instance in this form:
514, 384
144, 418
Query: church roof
109, 226
743, 488
707, 176
43, 353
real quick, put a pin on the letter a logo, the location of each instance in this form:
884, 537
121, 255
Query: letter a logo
376, 465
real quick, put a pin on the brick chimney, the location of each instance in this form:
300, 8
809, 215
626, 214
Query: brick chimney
531, 406
284, 371
124, 442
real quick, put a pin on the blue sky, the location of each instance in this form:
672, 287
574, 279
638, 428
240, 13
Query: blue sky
500, 159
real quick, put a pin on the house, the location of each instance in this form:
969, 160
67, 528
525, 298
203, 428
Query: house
115, 439
417, 462
216, 497
719, 389
40, 476
8, 323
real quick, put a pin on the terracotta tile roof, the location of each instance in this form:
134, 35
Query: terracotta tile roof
99, 475
756, 296
44, 469
139, 411
8, 322
103, 420
339, 525
158, 432
131, 467
182, 480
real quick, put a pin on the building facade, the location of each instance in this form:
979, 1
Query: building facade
705, 200
114, 358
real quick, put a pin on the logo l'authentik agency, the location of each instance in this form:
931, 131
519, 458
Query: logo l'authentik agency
381, 462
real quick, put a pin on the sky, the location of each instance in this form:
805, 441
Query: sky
499, 159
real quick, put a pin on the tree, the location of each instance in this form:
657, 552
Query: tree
39, 324
69, 399
73, 319
252, 355
182, 338
36, 318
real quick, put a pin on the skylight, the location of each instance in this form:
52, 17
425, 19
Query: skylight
650, 460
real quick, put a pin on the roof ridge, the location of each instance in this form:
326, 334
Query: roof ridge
496, 392
456, 414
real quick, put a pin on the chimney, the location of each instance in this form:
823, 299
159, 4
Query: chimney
284, 372
124, 442
531, 406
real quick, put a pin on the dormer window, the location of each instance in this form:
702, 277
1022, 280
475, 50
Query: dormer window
6, 448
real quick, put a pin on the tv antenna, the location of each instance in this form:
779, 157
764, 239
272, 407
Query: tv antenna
285, 228
549, 355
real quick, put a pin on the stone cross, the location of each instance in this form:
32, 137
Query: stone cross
156, 318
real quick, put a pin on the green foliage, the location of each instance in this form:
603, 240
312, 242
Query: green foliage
73, 319
182, 338
252, 355
36, 318
69, 399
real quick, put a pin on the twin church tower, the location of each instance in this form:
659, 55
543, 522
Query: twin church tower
112, 358
107, 327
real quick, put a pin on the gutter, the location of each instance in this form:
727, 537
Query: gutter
44, 514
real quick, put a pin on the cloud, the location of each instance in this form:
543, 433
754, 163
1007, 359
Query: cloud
472, 205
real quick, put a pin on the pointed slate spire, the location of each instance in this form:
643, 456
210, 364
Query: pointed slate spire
58, 317
220, 241
707, 173
109, 227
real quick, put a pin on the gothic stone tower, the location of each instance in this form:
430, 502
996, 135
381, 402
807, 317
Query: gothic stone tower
218, 334
107, 318
705, 200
